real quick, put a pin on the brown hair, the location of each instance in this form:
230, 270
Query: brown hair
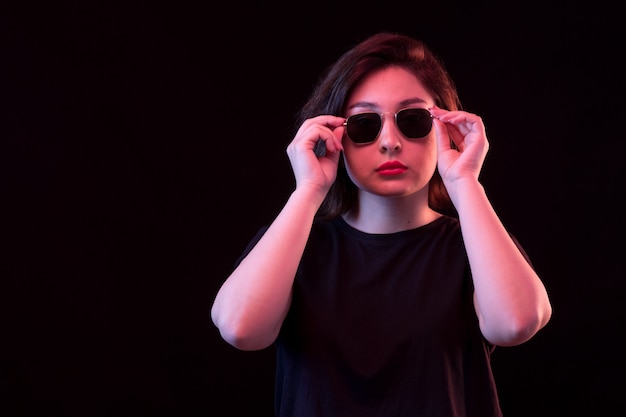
377, 52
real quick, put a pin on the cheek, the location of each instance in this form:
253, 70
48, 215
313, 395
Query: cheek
354, 162
425, 152
348, 157
430, 150
429, 144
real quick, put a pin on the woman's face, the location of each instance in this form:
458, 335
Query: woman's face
392, 165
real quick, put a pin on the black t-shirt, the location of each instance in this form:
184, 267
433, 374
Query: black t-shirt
383, 325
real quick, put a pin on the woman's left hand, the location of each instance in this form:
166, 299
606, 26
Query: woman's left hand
467, 132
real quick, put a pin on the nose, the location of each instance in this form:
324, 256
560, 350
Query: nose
389, 138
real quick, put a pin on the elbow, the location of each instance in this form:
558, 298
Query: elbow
519, 329
517, 334
243, 340
241, 334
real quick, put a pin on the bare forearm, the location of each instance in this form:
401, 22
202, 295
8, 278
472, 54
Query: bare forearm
510, 298
253, 301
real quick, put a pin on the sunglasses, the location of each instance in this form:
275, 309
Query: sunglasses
364, 128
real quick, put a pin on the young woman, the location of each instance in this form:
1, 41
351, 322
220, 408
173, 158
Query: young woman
387, 279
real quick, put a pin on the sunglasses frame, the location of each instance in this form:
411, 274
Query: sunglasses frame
395, 118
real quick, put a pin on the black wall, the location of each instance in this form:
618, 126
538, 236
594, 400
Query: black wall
142, 147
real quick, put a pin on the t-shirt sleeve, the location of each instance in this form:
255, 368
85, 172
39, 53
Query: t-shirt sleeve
521, 249
259, 234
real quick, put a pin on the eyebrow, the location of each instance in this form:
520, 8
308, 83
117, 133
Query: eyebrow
403, 103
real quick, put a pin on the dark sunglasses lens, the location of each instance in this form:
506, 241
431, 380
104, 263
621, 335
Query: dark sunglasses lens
414, 123
364, 127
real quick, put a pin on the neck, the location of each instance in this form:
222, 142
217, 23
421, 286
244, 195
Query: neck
377, 214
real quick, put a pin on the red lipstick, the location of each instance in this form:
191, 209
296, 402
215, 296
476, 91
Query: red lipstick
391, 168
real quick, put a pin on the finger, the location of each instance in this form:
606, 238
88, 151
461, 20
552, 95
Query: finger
457, 138
312, 125
329, 128
442, 135
463, 121
338, 134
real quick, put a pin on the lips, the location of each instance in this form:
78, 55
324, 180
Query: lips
391, 168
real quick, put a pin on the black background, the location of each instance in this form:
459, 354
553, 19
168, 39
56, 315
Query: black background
143, 145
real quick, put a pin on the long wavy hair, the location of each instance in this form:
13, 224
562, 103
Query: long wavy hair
329, 96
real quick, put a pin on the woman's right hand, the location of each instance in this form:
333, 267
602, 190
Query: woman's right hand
312, 170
